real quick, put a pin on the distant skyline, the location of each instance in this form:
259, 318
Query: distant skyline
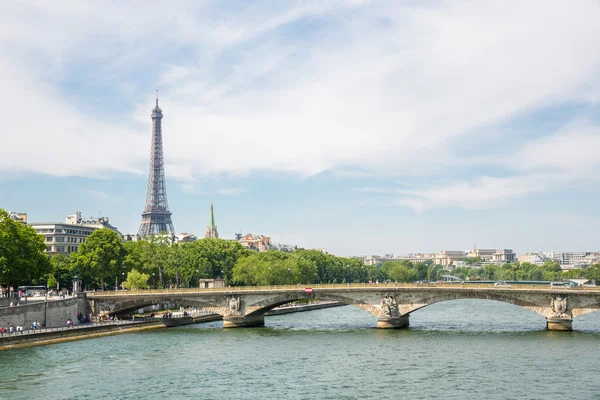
360, 126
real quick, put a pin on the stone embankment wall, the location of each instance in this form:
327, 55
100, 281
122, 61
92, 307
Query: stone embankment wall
57, 313
5, 301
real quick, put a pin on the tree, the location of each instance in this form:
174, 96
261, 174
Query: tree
593, 273
61, 271
250, 270
22, 257
100, 258
134, 255
401, 272
552, 266
156, 255
301, 270
136, 280
213, 258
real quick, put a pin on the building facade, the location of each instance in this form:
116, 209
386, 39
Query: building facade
533, 258
255, 242
66, 238
412, 257
185, 237
449, 257
494, 256
95, 222
19, 217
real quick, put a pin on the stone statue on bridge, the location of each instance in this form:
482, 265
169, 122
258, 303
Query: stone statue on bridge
389, 306
234, 305
560, 307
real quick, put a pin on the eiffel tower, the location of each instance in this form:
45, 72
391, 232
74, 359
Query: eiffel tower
156, 218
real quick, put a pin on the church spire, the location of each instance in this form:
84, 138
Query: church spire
211, 229
211, 223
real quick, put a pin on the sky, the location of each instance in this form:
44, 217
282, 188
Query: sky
362, 127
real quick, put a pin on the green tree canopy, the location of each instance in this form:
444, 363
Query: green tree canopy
136, 280
100, 258
22, 257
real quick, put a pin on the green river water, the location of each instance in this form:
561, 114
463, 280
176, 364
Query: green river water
465, 349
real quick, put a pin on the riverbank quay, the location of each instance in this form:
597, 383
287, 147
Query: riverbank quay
43, 336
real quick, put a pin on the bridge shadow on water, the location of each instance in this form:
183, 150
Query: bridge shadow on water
457, 316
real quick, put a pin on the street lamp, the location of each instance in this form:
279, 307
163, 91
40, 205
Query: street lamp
123, 280
290, 276
269, 276
45, 304
153, 280
57, 276
348, 273
198, 280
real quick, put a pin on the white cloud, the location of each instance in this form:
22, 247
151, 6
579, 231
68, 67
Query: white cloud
484, 192
230, 191
100, 194
376, 87
575, 149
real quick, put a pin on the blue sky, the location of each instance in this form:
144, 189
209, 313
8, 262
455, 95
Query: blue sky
359, 126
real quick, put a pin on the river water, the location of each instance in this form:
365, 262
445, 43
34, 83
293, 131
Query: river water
464, 349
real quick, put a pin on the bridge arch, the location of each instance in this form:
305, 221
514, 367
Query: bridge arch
261, 307
578, 312
129, 305
408, 308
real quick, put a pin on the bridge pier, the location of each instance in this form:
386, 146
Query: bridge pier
243, 322
393, 323
559, 324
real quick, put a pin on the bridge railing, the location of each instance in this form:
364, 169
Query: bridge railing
307, 287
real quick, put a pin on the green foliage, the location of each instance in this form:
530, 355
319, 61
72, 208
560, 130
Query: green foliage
402, 272
136, 280
549, 271
593, 273
100, 258
62, 271
22, 257
103, 258
300, 267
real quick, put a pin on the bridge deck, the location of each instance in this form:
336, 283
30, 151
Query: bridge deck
353, 286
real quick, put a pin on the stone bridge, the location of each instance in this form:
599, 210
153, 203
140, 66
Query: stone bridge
391, 303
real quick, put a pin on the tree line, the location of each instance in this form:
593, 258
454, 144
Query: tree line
549, 271
104, 261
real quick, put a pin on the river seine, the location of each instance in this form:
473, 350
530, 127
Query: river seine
464, 349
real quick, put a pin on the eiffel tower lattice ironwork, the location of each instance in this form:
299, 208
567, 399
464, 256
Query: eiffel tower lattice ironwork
156, 218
